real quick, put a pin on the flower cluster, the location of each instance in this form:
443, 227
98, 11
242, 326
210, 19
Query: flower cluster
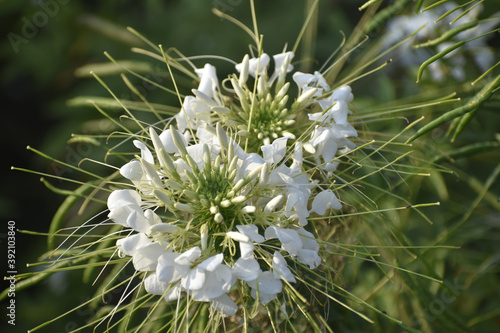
220, 202
432, 25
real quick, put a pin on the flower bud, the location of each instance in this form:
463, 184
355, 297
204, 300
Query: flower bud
204, 97
167, 164
178, 141
204, 236
225, 203
151, 172
248, 209
156, 140
244, 70
163, 197
218, 218
273, 204
241, 94
184, 207
239, 199
283, 91
221, 135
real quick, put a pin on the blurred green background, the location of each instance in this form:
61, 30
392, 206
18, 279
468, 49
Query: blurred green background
44, 42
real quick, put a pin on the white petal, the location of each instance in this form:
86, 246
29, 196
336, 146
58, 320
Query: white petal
246, 249
155, 286
289, 238
196, 152
133, 171
267, 285
297, 154
211, 263
128, 244
251, 162
216, 284
343, 93
264, 298
257, 66
308, 240
209, 82
167, 270
225, 305
146, 256
274, 152
174, 293
120, 214
189, 256
246, 269
138, 222
309, 257
145, 152
280, 58
251, 231
120, 198
304, 80
301, 79
281, 268
324, 200
168, 142
184, 118
270, 232
194, 280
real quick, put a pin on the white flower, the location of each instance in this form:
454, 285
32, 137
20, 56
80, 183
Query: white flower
121, 203
306, 82
246, 235
144, 251
209, 279
335, 106
434, 24
297, 188
326, 140
125, 209
274, 153
173, 266
205, 187
300, 244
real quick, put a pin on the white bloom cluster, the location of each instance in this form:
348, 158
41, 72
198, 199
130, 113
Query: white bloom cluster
433, 27
211, 218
